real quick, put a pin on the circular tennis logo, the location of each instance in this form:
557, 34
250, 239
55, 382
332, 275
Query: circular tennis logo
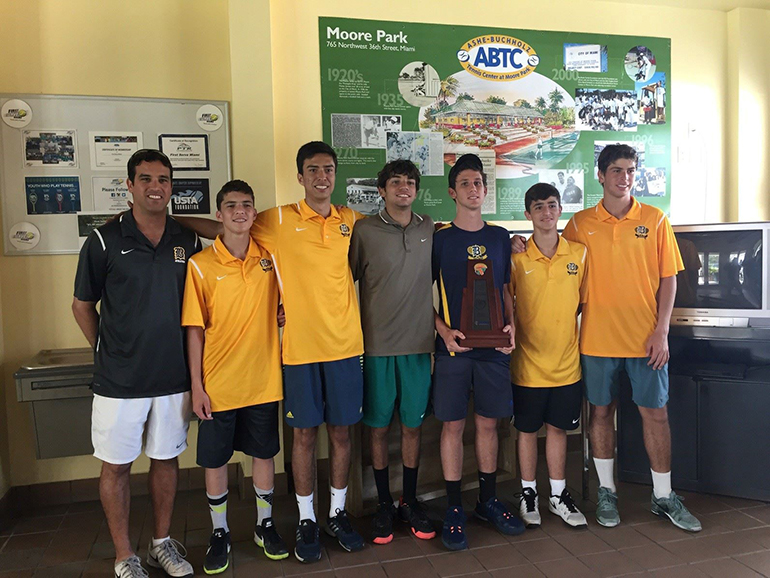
498, 57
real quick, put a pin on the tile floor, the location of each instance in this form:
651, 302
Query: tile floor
73, 540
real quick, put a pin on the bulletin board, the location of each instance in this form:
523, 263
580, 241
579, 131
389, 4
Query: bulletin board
63, 161
535, 106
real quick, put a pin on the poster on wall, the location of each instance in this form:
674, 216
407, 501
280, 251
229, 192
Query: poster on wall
533, 105
187, 152
50, 148
110, 150
52, 195
190, 197
110, 194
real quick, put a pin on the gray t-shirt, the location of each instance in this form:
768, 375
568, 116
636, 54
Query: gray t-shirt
393, 267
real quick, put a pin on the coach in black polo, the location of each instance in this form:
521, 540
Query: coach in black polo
136, 266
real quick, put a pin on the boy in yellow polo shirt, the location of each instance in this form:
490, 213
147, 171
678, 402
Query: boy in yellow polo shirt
230, 304
633, 260
546, 282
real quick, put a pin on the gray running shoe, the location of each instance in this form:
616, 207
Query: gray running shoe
167, 556
131, 567
607, 508
673, 508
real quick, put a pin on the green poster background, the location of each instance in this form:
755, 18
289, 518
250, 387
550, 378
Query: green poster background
373, 75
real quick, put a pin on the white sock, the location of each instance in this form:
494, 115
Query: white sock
661, 484
526, 484
218, 510
156, 543
337, 501
306, 509
264, 504
605, 469
557, 486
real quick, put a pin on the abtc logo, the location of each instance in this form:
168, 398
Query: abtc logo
498, 57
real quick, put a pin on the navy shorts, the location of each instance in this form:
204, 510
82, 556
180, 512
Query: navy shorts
455, 377
252, 430
330, 391
557, 406
601, 376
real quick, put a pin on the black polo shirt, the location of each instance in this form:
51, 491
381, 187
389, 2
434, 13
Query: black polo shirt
140, 346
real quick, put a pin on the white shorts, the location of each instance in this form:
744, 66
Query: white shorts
118, 425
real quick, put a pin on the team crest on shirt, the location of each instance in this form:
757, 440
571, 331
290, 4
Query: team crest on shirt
345, 230
572, 269
641, 232
480, 269
179, 255
477, 252
266, 264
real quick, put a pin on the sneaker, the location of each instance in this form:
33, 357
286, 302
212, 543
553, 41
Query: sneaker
167, 555
529, 507
564, 507
267, 538
131, 567
453, 531
339, 527
607, 508
382, 523
495, 512
218, 553
308, 548
415, 516
673, 508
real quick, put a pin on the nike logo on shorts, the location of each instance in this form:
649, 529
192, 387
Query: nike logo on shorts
180, 444
126, 252
575, 420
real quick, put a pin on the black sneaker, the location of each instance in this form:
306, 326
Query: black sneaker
382, 523
308, 548
218, 554
339, 526
415, 516
267, 537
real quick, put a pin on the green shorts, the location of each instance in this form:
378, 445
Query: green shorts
398, 380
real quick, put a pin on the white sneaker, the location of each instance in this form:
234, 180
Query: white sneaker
166, 555
131, 567
529, 508
564, 507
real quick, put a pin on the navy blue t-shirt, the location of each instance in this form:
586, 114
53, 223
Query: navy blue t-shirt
452, 248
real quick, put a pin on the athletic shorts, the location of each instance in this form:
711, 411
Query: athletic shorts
398, 380
252, 430
601, 376
330, 391
455, 377
118, 425
557, 406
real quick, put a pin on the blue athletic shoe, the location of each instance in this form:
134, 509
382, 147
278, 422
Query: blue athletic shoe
453, 532
495, 512
308, 547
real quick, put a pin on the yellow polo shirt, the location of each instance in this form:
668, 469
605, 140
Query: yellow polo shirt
310, 254
236, 302
626, 260
547, 294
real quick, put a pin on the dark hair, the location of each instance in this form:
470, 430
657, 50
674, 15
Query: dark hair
233, 187
148, 156
613, 152
398, 167
311, 149
540, 192
465, 162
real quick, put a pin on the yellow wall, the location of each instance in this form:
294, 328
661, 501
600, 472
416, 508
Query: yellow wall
146, 48
262, 55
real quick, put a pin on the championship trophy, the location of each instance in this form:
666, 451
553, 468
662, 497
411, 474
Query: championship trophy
481, 315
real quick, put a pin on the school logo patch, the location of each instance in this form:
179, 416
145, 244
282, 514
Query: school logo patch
572, 269
266, 264
179, 255
477, 252
641, 232
480, 269
345, 230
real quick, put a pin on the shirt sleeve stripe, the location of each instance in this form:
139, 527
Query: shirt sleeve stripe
196, 240
101, 239
198, 269
445, 305
585, 252
280, 215
661, 219
277, 272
